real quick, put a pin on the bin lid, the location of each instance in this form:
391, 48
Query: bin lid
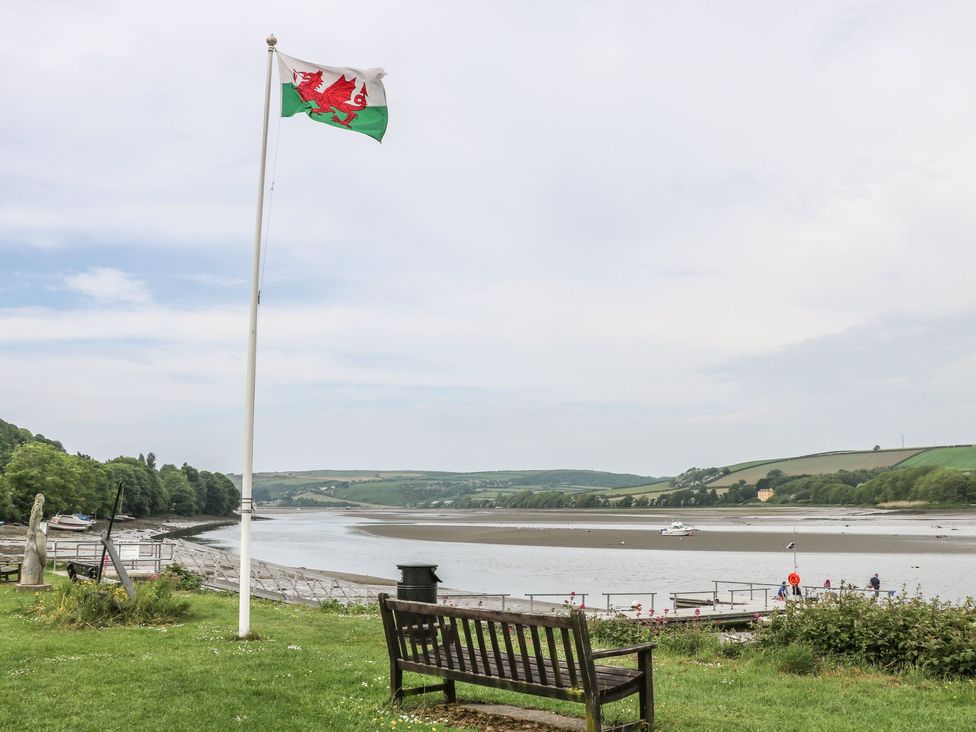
411, 565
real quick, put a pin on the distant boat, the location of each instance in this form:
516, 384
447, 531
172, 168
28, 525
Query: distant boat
69, 523
678, 529
124, 517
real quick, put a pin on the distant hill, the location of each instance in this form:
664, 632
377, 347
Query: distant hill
419, 488
500, 487
961, 457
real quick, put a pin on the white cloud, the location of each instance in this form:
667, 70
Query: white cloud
106, 284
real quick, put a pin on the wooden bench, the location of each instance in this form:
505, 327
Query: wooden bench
10, 572
543, 655
80, 570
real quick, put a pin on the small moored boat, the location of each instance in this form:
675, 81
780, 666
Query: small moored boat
678, 529
64, 522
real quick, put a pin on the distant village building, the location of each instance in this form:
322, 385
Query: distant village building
764, 494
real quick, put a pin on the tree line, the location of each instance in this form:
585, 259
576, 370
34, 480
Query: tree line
79, 484
929, 485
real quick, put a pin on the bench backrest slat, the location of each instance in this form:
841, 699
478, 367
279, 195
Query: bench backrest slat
568, 651
520, 632
438, 649
556, 671
539, 658
472, 655
423, 633
483, 647
495, 649
507, 637
456, 644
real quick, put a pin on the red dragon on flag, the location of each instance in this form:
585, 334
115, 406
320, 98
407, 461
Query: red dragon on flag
334, 98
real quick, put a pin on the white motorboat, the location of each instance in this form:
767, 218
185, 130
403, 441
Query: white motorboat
678, 529
68, 522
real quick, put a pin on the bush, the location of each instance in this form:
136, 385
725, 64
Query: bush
181, 578
334, 607
690, 639
897, 634
685, 639
88, 605
619, 631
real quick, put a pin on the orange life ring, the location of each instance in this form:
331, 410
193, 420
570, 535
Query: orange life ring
793, 579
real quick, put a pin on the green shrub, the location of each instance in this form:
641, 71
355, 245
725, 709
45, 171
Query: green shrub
684, 639
897, 634
612, 632
690, 639
181, 578
334, 607
85, 604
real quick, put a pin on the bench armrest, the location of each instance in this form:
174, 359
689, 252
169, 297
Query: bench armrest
609, 653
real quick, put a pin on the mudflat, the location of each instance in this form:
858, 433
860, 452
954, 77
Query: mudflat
753, 533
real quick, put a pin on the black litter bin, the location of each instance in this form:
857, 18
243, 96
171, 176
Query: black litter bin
418, 583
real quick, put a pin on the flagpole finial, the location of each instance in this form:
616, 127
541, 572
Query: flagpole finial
272, 41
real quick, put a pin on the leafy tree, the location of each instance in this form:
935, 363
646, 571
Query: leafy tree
36, 467
182, 497
198, 485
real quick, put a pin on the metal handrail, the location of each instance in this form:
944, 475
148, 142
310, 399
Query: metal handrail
765, 591
92, 551
710, 593
570, 595
608, 595
502, 595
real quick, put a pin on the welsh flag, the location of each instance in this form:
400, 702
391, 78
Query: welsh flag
350, 98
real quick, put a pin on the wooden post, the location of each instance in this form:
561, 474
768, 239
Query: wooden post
130, 588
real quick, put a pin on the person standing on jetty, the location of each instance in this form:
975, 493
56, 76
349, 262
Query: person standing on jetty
781, 593
875, 585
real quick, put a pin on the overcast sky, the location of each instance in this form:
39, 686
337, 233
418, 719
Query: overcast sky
622, 236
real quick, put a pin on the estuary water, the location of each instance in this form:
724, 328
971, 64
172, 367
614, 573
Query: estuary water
335, 540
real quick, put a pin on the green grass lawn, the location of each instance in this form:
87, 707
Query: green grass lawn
319, 671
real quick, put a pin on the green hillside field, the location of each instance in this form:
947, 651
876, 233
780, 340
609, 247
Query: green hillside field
819, 464
961, 457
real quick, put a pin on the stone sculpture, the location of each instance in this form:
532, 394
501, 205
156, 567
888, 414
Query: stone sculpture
35, 550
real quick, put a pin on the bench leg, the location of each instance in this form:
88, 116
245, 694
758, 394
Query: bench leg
594, 716
396, 683
646, 694
449, 693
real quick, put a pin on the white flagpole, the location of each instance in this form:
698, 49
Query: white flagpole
247, 505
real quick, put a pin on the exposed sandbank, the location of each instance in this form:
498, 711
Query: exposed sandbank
706, 540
